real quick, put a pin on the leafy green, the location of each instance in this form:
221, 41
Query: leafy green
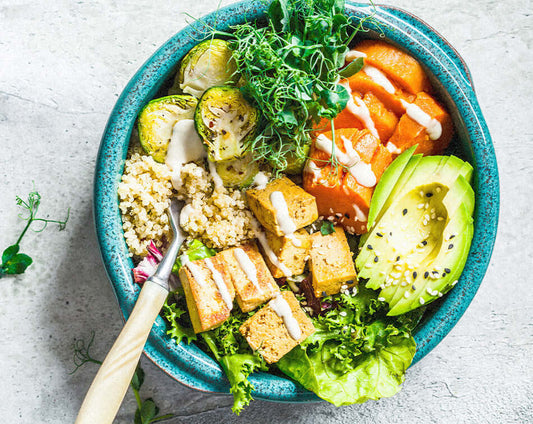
290, 68
356, 353
327, 228
196, 250
353, 68
14, 262
180, 328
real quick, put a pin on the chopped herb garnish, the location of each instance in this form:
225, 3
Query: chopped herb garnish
327, 228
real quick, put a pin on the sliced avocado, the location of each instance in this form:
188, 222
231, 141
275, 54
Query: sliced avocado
407, 253
157, 119
238, 172
226, 122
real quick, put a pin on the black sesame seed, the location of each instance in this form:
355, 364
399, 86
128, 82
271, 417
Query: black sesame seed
426, 274
379, 234
447, 270
376, 259
404, 212
450, 246
369, 247
415, 274
443, 274
429, 194
452, 236
413, 287
397, 258
390, 234
424, 242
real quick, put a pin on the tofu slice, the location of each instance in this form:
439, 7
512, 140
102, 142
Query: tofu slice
301, 206
331, 263
208, 291
250, 276
292, 255
274, 335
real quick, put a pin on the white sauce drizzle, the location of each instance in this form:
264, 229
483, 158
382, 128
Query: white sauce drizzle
360, 170
312, 168
214, 174
195, 271
185, 146
360, 111
391, 147
221, 285
248, 267
286, 224
280, 306
260, 181
359, 214
268, 251
433, 127
379, 78
354, 54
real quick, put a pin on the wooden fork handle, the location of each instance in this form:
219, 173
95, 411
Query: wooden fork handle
113, 378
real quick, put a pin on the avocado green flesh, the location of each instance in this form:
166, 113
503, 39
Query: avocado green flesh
157, 119
428, 208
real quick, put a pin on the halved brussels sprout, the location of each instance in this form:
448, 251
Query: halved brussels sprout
208, 64
157, 119
295, 161
238, 172
225, 121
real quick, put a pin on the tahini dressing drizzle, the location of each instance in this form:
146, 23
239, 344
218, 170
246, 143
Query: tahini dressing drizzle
221, 285
286, 224
283, 310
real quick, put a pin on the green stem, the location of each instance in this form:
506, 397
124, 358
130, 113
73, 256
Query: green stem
30, 220
137, 397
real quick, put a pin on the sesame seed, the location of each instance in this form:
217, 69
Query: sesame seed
413, 287
369, 247
421, 193
415, 275
447, 270
425, 222
395, 274
404, 212
376, 259
455, 282
345, 328
421, 300
433, 216
406, 294
438, 189
390, 234
443, 274
381, 299
352, 330
424, 242
420, 206
404, 283
440, 218
450, 246
452, 236
426, 274
397, 258
429, 194
440, 294
379, 234
426, 205
426, 217
342, 313
368, 265
432, 210
382, 273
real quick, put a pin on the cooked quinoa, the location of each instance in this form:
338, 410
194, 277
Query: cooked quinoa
219, 217
144, 194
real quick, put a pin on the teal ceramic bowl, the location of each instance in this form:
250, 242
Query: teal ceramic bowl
187, 363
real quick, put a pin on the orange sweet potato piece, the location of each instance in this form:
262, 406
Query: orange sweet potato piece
337, 192
384, 120
408, 132
399, 66
362, 83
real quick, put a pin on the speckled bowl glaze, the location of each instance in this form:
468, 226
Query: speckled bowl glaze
187, 363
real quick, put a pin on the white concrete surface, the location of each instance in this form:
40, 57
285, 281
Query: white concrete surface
62, 66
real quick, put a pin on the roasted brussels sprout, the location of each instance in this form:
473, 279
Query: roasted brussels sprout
295, 160
208, 64
238, 172
225, 121
157, 119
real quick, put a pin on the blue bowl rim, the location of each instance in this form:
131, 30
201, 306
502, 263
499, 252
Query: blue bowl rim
187, 364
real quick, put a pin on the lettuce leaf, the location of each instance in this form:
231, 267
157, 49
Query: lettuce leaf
196, 250
356, 354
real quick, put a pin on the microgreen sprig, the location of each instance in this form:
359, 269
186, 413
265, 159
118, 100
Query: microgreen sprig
14, 262
147, 411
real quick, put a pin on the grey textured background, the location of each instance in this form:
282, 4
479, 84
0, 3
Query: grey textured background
62, 66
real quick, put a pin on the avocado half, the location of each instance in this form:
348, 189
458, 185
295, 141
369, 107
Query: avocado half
421, 229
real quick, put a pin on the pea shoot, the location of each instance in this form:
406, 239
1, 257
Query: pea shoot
14, 262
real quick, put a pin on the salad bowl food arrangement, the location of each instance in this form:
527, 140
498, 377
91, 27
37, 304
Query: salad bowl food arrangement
339, 181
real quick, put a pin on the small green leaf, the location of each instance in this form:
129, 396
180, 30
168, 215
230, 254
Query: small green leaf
137, 419
148, 411
353, 68
138, 378
327, 228
9, 253
17, 264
